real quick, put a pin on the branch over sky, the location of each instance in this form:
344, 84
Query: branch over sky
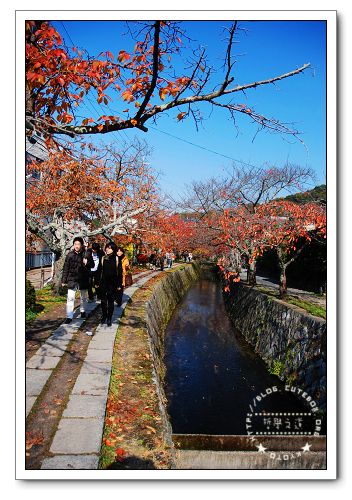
146, 80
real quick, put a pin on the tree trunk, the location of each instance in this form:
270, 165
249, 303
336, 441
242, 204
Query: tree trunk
283, 282
57, 279
251, 273
235, 260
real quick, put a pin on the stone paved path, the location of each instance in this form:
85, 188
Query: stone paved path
41, 365
77, 441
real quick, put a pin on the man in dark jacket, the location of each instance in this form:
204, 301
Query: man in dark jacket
76, 276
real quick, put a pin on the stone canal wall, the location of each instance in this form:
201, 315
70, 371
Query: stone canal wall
159, 307
290, 341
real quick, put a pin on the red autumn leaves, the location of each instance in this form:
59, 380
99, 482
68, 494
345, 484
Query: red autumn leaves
279, 225
168, 231
58, 82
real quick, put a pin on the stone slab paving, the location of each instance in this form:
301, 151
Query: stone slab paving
30, 400
35, 381
49, 349
101, 341
78, 436
96, 384
43, 362
40, 366
57, 342
71, 462
85, 406
98, 355
95, 367
81, 427
49, 354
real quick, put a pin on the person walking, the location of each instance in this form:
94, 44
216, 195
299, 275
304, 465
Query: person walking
75, 276
162, 261
96, 253
112, 273
122, 266
168, 259
152, 261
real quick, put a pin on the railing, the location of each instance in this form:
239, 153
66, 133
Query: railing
40, 259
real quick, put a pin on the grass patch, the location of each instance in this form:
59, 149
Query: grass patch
46, 296
313, 309
309, 307
45, 300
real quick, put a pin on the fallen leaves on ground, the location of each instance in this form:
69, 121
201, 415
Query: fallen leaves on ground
33, 439
120, 454
151, 428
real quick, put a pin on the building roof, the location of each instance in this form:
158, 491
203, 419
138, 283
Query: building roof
36, 148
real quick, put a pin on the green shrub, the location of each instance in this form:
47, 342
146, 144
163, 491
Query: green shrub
30, 295
30, 315
276, 368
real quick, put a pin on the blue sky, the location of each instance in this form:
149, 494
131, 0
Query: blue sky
265, 49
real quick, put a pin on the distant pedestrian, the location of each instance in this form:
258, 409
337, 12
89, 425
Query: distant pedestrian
168, 256
76, 276
96, 253
152, 261
190, 257
159, 261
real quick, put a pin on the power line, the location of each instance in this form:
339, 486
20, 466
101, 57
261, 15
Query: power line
202, 147
167, 133
67, 33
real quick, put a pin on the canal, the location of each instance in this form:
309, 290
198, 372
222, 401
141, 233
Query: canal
212, 374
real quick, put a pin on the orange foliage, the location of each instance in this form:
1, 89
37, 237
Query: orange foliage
58, 82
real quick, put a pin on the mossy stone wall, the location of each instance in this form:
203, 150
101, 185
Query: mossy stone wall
291, 342
166, 294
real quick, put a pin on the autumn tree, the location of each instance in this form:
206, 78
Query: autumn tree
165, 231
68, 196
288, 227
147, 81
228, 206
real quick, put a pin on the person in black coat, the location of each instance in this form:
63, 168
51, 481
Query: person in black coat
96, 253
76, 276
108, 282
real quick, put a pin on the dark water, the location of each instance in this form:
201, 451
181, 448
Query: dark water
212, 374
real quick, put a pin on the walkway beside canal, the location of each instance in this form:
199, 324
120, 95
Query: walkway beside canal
70, 435
295, 292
